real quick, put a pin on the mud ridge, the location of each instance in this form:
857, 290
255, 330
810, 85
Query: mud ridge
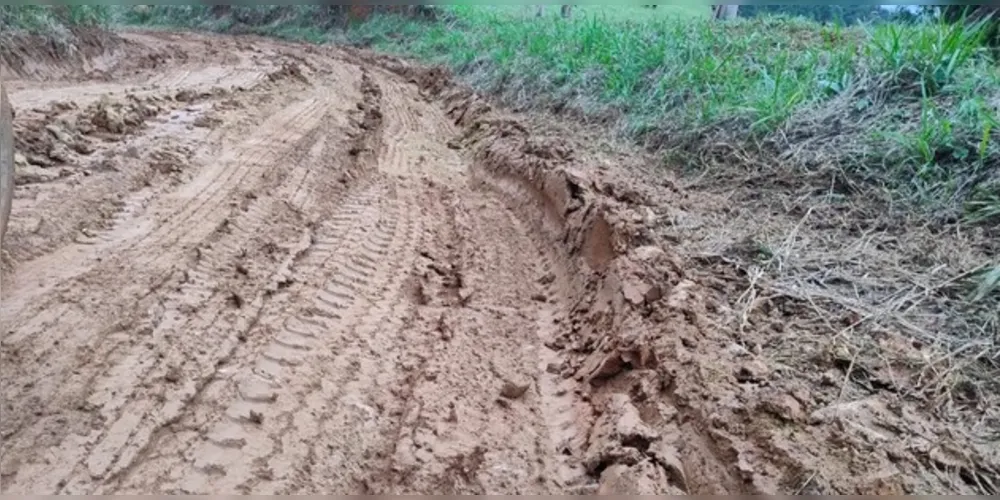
643, 342
615, 284
21, 54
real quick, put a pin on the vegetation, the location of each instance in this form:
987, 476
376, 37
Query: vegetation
843, 14
57, 25
51, 21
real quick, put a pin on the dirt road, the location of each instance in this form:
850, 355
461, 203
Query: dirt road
244, 266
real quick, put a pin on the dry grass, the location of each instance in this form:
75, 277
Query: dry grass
897, 304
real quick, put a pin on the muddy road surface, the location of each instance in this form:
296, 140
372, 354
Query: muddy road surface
242, 266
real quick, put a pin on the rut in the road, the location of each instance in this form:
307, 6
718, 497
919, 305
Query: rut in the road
346, 274
315, 313
420, 303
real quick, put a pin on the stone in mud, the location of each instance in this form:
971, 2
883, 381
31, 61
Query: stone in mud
848, 410
205, 121
644, 478
668, 458
513, 389
109, 120
619, 436
887, 481
601, 365
783, 407
83, 147
604, 365
60, 153
752, 371
39, 160
737, 351
648, 253
638, 292
58, 133
33, 174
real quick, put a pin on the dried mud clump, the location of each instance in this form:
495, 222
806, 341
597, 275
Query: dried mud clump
48, 140
62, 134
367, 137
685, 404
117, 117
288, 70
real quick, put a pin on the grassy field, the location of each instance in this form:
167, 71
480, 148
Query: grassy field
910, 109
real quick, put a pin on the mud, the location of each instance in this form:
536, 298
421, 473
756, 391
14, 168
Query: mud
262, 267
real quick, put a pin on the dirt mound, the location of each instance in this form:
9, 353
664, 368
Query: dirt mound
62, 132
117, 117
288, 70
34, 56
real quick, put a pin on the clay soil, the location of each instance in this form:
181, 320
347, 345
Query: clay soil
237, 265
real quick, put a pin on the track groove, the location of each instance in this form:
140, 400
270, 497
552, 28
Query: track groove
199, 288
286, 360
324, 306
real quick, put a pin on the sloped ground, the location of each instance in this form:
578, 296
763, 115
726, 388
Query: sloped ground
243, 266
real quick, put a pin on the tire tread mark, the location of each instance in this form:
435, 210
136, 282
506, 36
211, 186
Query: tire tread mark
393, 220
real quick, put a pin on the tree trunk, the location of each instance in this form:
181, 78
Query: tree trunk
565, 11
722, 12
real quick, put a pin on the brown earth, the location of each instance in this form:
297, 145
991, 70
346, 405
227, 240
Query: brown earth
238, 265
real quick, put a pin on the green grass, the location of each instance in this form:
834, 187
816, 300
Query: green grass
54, 24
50, 20
908, 109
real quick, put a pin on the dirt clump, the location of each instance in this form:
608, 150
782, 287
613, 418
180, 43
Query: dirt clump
117, 117
288, 70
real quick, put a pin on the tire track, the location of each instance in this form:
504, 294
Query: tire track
564, 413
205, 205
198, 289
243, 231
456, 431
146, 474
258, 420
368, 372
201, 200
460, 434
